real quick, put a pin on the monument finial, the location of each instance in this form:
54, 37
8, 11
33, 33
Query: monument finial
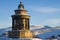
21, 6
20, 2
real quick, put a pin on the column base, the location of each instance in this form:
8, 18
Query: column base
20, 34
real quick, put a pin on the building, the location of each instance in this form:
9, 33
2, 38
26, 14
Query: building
20, 24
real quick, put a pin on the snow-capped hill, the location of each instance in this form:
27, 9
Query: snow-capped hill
49, 34
32, 27
42, 30
39, 31
57, 27
2, 31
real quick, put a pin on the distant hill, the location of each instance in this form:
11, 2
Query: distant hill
4, 30
32, 27
57, 27
40, 27
39, 31
48, 34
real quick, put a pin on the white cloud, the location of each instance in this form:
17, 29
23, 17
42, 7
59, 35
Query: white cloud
47, 10
51, 22
44, 9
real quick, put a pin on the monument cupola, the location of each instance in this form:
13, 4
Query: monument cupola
21, 10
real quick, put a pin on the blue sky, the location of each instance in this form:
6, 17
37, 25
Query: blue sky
42, 12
